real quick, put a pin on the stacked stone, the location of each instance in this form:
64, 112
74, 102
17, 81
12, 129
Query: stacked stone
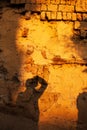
52, 9
57, 9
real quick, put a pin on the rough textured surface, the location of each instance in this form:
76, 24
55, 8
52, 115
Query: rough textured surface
43, 70
55, 6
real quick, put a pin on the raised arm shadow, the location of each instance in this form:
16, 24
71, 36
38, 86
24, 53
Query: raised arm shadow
33, 83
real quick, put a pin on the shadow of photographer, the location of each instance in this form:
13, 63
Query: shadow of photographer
28, 100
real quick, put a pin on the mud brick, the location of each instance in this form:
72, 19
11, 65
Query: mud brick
77, 25
48, 15
64, 16
68, 16
53, 15
84, 17
74, 17
59, 16
54, 1
52, 7
43, 15
43, 7
79, 16
66, 8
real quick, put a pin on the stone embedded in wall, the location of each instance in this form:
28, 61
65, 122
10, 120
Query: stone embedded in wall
25, 32
28, 15
30, 50
58, 60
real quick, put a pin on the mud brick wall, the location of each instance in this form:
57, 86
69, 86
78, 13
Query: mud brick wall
71, 10
60, 10
43, 39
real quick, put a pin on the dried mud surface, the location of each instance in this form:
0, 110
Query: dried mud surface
35, 53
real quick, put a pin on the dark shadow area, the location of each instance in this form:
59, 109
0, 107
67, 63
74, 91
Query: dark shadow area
80, 41
14, 117
10, 59
27, 102
25, 113
10, 63
29, 99
82, 111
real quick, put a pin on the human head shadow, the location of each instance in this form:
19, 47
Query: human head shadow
82, 111
33, 82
